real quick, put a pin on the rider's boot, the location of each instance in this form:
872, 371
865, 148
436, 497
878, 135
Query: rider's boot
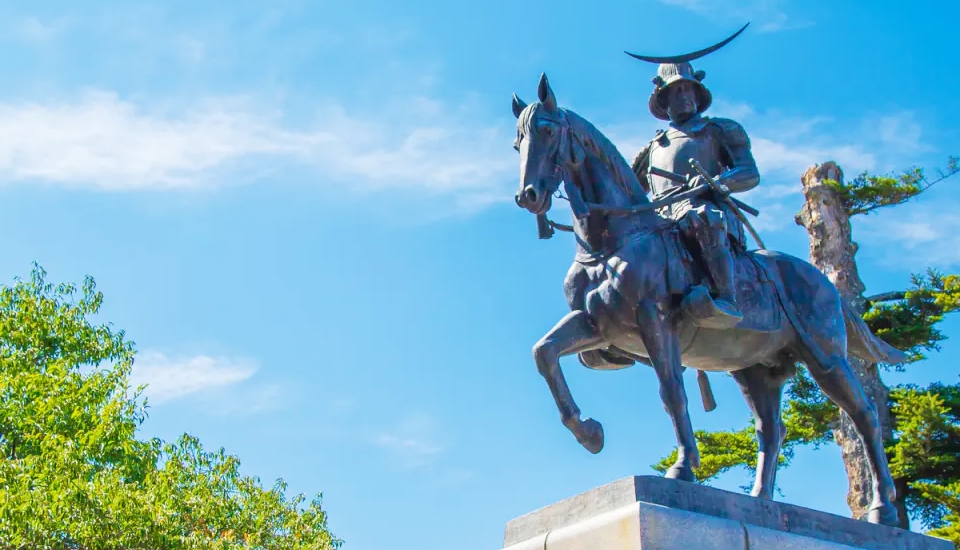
727, 313
721, 310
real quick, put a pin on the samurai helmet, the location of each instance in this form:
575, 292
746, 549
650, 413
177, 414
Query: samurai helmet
677, 68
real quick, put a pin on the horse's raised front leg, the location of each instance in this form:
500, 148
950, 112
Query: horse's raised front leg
663, 347
574, 333
763, 390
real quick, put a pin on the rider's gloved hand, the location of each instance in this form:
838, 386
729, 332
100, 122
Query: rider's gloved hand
698, 180
695, 181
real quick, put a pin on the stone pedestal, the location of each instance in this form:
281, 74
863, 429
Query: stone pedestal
654, 513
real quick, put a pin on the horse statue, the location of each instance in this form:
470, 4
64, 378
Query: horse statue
628, 280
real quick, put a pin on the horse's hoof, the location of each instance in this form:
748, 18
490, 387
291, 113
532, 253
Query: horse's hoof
883, 514
590, 435
683, 473
763, 494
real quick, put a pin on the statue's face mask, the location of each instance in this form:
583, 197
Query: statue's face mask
681, 100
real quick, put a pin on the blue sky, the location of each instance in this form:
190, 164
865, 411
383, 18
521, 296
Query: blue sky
301, 212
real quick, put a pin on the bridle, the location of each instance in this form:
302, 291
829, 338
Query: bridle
546, 226
582, 208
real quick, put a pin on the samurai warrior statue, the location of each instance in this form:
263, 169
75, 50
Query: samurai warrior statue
707, 223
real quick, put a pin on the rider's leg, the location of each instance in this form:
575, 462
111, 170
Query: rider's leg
708, 226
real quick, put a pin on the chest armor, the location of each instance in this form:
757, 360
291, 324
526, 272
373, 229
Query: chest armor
673, 150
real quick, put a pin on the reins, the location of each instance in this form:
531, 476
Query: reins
581, 208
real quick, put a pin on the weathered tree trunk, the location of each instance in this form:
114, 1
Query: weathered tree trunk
832, 250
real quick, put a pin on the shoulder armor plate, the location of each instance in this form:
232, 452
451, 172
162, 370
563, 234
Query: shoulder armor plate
731, 132
641, 159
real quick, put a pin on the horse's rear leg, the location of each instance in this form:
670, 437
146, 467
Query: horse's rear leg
842, 387
762, 388
574, 333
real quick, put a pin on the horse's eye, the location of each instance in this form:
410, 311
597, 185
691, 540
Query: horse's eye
547, 129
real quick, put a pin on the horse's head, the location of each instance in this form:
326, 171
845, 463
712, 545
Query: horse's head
544, 143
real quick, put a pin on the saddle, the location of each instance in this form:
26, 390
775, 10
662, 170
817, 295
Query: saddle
756, 296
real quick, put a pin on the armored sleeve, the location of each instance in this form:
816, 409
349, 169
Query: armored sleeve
640, 164
742, 173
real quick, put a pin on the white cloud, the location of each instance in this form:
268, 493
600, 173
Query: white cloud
102, 141
192, 50
31, 29
768, 15
794, 157
243, 401
455, 478
773, 216
169, 378
342, 407
413, 442
901, 131
922, 233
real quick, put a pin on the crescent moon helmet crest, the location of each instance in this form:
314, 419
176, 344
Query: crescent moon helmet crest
677, 68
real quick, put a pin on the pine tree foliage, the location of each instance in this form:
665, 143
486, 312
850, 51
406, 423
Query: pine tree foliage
866, 193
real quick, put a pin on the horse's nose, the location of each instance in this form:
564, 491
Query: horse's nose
526, 197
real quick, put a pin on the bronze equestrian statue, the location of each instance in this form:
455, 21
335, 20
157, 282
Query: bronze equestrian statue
643, 270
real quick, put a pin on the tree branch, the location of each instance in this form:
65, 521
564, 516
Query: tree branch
867, 193
887, 296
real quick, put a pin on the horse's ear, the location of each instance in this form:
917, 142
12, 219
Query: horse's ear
518, 106
545, 92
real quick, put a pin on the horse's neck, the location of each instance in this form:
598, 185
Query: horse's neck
597, 179
599, 231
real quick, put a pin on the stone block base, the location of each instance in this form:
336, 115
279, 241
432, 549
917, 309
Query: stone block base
654, 513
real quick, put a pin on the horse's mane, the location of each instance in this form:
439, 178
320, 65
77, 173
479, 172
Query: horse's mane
597, 143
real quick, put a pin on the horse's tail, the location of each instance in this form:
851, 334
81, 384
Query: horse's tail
864, 344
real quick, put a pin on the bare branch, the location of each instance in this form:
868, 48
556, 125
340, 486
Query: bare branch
953, 168
887, 296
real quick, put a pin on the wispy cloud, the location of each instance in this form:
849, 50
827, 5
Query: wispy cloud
169, 378
342, 407
104, 142
192, 50
247, 399
413, 443
33, 30
919, 234
769, 15
455, 478
789, 143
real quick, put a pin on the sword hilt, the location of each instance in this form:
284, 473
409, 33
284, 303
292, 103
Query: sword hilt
703, 173
727, 199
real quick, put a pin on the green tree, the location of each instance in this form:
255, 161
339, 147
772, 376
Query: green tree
924, 433
73, 473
